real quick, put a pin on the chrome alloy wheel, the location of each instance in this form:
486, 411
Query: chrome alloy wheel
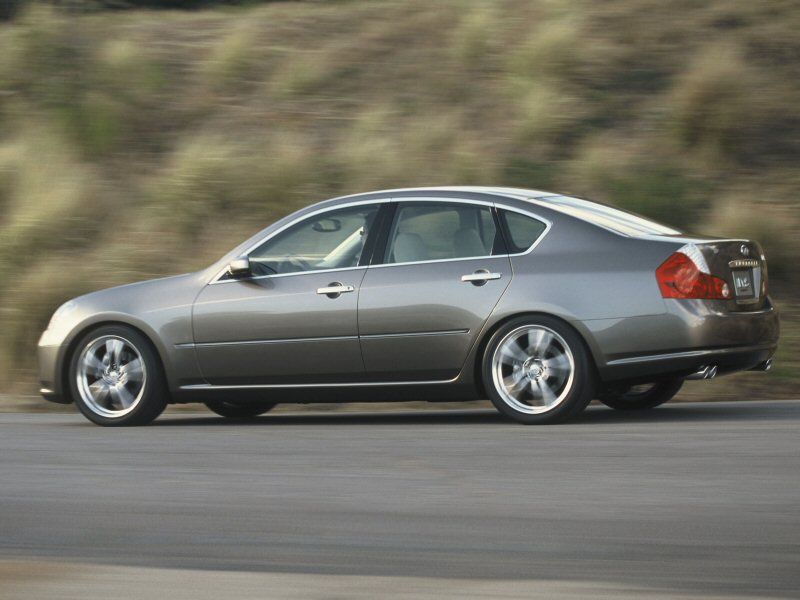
111, 376
533, 369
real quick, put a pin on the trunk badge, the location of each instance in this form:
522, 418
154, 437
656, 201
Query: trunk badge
745, 250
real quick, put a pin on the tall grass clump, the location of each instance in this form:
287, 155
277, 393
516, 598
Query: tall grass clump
715, 105
623, 174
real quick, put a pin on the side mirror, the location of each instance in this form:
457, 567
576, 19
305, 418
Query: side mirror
240, 267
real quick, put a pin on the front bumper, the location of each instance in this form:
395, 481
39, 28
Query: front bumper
50, 374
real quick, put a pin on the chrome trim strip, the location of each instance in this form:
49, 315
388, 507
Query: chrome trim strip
323, 339
373, 336
687, 354
272, 341
744, 262
548, 225
215, 278
278, 275
258, 386
547, 222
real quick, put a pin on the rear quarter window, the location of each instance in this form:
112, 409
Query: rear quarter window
523, 230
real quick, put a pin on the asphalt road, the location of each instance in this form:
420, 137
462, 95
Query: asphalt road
700, 498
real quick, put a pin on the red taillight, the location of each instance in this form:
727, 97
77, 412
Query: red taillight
680, 277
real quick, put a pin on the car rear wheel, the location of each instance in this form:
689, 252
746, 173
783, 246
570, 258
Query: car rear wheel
235, 410
537, 371
641, 397
116, 377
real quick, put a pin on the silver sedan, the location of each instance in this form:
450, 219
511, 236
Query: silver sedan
536, 300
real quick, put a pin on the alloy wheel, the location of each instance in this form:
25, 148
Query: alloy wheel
533, 369
111, 376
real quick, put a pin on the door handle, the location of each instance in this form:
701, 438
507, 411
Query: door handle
335, 289
480, 277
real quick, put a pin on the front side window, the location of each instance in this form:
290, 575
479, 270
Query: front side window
332, 240
523, 230
425, 231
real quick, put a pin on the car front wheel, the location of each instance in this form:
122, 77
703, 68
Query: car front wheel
641, 397
537, 371
116, 377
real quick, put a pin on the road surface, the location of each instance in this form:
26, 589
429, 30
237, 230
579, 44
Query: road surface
688, 498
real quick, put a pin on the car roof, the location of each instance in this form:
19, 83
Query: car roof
595, 213
509, 192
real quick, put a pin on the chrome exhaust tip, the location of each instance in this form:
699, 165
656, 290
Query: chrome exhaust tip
763, 366
707, 372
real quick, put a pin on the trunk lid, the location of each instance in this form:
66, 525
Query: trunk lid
741, 263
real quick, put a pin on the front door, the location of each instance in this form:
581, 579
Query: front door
443, 272
293, 321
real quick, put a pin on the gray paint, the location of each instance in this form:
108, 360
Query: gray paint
276, 331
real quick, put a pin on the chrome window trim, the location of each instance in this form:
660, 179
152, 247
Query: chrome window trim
547, 222
216, 278
278, 275
378, 201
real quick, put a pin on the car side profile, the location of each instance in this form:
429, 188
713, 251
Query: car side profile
538, 301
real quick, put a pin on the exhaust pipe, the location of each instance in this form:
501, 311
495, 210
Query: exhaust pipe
763, 366
707, 372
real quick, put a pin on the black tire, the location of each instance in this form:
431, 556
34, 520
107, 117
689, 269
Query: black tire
153, 395
236, 410
630, 398
574, 393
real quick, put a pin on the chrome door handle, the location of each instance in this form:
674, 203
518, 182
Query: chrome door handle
335, 289
480, 277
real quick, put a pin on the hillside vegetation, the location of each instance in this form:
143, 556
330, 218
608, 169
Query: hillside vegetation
141, 143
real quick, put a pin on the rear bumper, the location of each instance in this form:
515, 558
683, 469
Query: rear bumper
690, 335
727, 360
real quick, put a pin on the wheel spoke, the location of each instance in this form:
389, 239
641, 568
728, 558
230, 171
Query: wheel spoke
538, 341
99, 390
133, 370
557, 364
114, 349
542, 392
94, 366
515, 383
121, 395
511, 353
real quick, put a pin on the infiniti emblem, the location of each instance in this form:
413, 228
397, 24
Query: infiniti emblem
745, 250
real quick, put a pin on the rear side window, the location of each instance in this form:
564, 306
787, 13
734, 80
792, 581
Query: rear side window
425, 231
523, 230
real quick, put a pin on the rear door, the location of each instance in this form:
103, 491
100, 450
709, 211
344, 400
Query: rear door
443, 269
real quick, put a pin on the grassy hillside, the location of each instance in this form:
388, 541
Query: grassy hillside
142, 143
